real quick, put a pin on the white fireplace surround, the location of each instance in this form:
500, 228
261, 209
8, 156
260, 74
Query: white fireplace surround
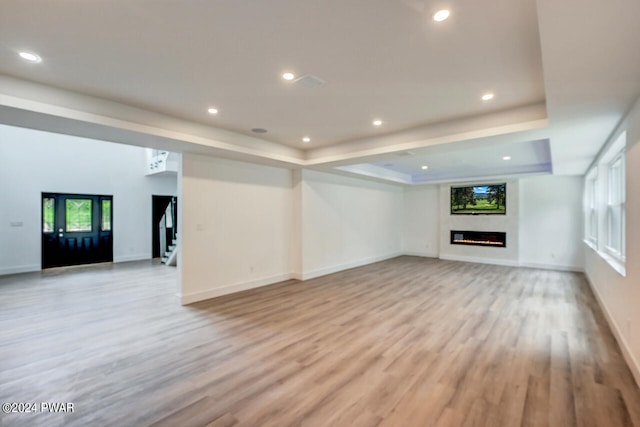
508, 223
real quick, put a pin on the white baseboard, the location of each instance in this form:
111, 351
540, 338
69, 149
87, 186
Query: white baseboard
632, 362
230, 289
127, 258
509, 263
572, 268
479, 260
37, 267
340, 267
423, 254
20, 269
296, 276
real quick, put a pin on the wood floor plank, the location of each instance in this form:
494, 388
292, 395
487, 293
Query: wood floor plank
404, 342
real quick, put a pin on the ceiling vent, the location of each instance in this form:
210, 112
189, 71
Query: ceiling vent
310, 81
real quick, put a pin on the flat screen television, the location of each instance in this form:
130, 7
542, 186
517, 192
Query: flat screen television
479, 200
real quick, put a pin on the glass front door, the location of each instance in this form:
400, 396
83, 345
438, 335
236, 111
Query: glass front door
76, 229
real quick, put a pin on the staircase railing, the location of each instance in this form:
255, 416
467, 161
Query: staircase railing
156, 160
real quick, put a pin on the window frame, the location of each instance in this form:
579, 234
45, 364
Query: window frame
616, 200
591, 208
605, 188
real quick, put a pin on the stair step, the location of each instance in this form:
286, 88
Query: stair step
164, 259
172, 258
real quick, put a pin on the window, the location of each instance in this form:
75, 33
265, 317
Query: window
48, 214
616, 208
591, 207
604, 204
78, 214
106, 215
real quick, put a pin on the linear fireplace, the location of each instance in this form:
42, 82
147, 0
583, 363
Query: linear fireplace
496, 239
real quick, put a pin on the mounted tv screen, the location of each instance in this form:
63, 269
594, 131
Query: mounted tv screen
479, 200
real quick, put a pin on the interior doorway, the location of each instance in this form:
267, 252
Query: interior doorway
163, 231
76, 229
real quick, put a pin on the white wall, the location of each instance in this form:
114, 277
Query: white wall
508, 223
236, 226
32, 162
620, 295
245, 225
347, 222
551, 222
421, 225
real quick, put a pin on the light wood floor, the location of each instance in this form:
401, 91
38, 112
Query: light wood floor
405, 342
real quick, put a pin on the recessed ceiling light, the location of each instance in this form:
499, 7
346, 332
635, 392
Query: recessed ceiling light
258, 130
441, 15
425, 167
306, 139
506, 158
288, 76
377, 122
212, 111
487, 96
29, 56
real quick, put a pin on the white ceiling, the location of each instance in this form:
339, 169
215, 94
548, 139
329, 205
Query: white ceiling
383, 59
456, 162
